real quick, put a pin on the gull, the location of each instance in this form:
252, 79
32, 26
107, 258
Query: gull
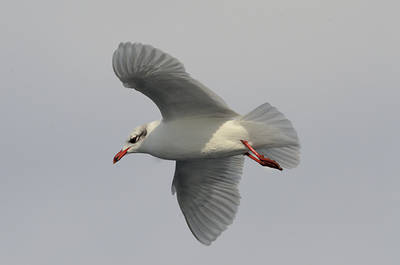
206, 138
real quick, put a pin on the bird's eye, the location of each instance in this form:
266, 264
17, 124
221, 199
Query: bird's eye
133, 140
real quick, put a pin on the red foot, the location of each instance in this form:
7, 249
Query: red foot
262, 160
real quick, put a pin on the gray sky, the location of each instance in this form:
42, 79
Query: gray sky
332, 67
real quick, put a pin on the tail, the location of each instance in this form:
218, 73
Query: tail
286, 147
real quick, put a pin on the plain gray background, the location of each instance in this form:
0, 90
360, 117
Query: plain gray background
331, 66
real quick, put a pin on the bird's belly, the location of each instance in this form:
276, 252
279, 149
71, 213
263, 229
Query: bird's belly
195, 140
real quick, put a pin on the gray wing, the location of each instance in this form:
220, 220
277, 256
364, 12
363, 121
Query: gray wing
207, 194
164, 80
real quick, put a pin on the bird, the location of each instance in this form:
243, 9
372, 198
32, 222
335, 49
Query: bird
208, 140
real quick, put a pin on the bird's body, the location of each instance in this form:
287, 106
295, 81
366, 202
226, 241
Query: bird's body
205, 138
203, 135
195, 139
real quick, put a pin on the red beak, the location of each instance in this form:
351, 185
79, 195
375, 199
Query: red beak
119, 155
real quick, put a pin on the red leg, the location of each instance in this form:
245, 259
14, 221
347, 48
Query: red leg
253, 157
262, 160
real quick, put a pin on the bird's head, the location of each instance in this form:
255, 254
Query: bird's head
133, 143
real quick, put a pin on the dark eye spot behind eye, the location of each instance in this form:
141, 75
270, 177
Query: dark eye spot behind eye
133, 140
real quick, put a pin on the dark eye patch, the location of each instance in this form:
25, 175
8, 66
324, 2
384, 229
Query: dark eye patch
133, 139
137, 137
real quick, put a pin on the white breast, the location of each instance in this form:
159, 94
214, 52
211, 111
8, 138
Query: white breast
196, 138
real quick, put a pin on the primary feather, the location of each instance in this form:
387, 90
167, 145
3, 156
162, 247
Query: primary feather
164, 80
208, 195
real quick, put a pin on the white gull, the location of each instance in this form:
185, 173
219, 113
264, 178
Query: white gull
207, 139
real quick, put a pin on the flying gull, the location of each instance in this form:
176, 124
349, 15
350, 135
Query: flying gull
206, 138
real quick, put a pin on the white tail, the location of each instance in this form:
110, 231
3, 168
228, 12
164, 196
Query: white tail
288, 153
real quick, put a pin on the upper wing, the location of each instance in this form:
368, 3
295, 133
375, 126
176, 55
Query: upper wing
207, 194
164, 80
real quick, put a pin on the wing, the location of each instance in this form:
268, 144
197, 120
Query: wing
164, 80
207, 194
